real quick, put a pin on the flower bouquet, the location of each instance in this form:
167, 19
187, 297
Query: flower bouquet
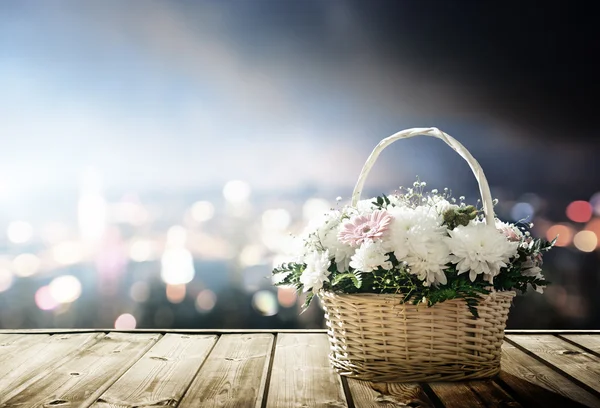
416, 286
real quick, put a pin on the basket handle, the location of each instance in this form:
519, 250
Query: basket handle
484, 188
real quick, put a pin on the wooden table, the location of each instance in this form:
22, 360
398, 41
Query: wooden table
102, 369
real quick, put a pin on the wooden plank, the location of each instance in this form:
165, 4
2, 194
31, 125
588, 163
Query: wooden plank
80, 380
36, 354
492, 394
565, 357
301, 375
387, 395
162, 331
10, 344
589, 341
234, 374
457, 394
538, 385
162, 375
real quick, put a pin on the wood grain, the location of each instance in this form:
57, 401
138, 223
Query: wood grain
538, 385
12, 343
387, 395
492, 394
301, 375
588, 341
82, 378
162, 375
570, 359
457, 394
36, 354
234, 375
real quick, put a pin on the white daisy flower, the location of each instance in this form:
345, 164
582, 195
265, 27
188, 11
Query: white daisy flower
369, 256
480, 248
316, 272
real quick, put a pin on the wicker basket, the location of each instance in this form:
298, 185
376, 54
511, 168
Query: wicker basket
380, 338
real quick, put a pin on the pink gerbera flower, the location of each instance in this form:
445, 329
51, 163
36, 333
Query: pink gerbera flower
363, 227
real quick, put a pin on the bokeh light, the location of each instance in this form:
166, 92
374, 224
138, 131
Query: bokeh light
175, 293
125, 321
251, 255
142, 250
265, 303
139, 291
287, 297
585, 241
595, 203
564, 233
236, 191
44, 299
594, 226
579, 211
68, 252
522, 211
176, 236
206, 301
202, 211
6, 279
314, 208
19, 232
177, 266
26, 265
65, 289
276, 220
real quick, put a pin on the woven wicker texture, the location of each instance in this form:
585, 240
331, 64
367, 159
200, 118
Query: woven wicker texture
379, 338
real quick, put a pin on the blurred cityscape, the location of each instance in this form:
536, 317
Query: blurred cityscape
156, 156
203, 260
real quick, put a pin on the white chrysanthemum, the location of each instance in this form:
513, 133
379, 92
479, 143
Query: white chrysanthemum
480, 248
320, 235
338, 251
366, 206
369, 256
531, 268
316, 272
417, 238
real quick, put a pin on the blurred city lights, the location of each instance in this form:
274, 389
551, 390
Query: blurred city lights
125, 321
139, 291
92, 216
44, 299
175, 293
19, 232
130, 213
585, 241
286, 297
595, 202
564, 233
579, 211
142, 250
26, 265
177, 266
277, 220
54, 232
251, 255
202, 211
68, 252
265, 302
6, 279
522, 211
176, 236
206, 301
236, 191
314, 208
65, 289
594, 226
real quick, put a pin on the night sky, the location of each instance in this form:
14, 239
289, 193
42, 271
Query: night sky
191, 94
